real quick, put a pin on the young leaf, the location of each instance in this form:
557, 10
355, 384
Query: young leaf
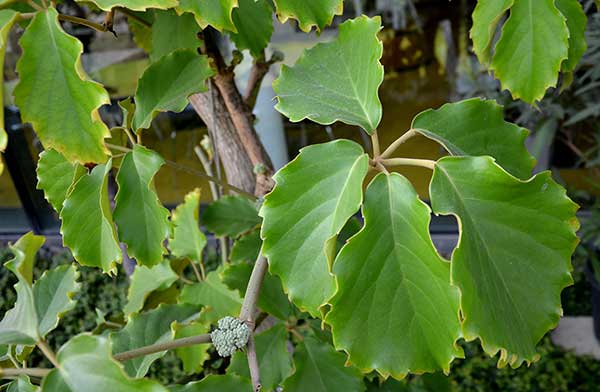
576, 22
53, 293
133, 5
513, 257
211, 383
309, 13
213, 294
254, 23
230, 216
216, 13
336, 81
86, 365
154, 326
188, 240
87, 227
22, 384
56, 175
192, 357
7, 19
166, 84
475, 127
315, 195
246, 248
274, 361
319, 368
171, 31
20, 324
142, 221
145, 280
391, 275
55, 95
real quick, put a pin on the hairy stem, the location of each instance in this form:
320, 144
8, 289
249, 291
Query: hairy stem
408, 162
158, 347
394, 146
47, 351
14, 372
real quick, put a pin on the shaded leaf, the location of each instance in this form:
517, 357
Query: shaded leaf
7, 19
171, 31
188, 240
486, 16
56, 175
254, 23
134, 5
230, 216
192, 357
246, 248
309, 13
211, 383
145, 280
216, 13
315, 195
22, 384
576, 22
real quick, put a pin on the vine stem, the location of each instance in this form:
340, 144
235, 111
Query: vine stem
394, 146
429, 164
15, 372
47, 351
158, 347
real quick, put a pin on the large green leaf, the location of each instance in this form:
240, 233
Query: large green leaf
86, 365
513, 256
7, 19
144, 329
145, 280
55, 95
254, 23
395, 310
171, 31
166, 84
22, 384
231, 216
475, 127
87, 227
188, 240
134, 5
315, 195
212, 383
319, 368
192, 357
576, 22
142, 220
274, 360
336, 81
56, 175
531, 48
53, 293
216, 13
219, 301
19, 325
309, 13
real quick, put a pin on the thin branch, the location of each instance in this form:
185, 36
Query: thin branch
34, 5
259, 69
47, 351
132, 15
199, 273
429, 164
253, 364
156, 348
375, 143
208, 169
83, 22
14, 372
394, 146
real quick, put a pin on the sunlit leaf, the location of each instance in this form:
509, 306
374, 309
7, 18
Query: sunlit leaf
336, 81
56, 175
230, 216
216, 13
212, 383
134, 5
315, 195
145, 280
253, 20
188, 240
171, 31
309, 13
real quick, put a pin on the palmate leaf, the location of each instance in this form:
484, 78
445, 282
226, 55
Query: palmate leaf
134, 5
142, 221
475, 127
230, 216
154, 326
166, 84
192, 357
7, 19
336, 81
274, 360
513, 256
145, 280
254, 23
216, 13
395, 310
171, 32
188, 240
315, 195
86, 365
319, 368
55, 95
212, 383
87, 227
56, 175
309, 13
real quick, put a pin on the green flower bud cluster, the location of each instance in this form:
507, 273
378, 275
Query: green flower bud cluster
231, 335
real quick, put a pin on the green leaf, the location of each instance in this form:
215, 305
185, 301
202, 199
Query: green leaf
309, 13
219, 301
20, 324
319, 368
87, 227
254, 23
7, 19
141, 34
86, 365
529, 53
145, 280
188, 240
391, 275
231, 216
338, 80
56, 96
22, 384
133, 5
192, 357
166, 84
514, 252
216, 13
212, 383
56, 175
246, 248
145, 329
315, 195
475, 127
53, 293
142, 221
272, 299
274, 361
576, 22
486, 16
171, 31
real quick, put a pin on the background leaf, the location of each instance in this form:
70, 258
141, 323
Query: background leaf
230, 216
486, 16
210, 383
188, 240
576, 22
7, 19
145, 280
253, 20
171, 31
21, 384
192, 357
56, 175
246, 248
309, 13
